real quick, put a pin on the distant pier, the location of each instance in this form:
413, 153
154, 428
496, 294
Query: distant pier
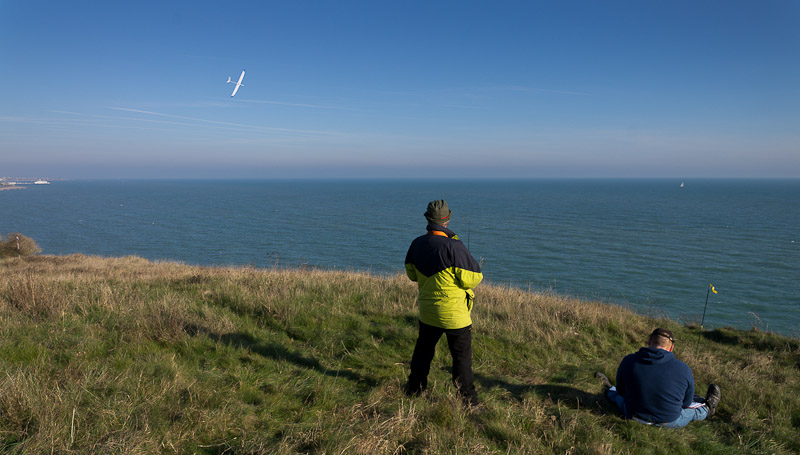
7, 183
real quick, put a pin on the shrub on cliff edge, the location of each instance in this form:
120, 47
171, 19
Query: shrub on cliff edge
16, 245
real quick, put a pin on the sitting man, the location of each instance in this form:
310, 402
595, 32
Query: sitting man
655, 388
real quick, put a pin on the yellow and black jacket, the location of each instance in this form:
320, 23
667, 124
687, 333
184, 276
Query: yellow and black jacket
445, 273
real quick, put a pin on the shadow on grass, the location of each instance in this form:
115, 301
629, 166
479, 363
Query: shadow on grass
754, 339
565, 395
279, 352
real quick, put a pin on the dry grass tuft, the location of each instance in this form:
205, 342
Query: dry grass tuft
377, 432
18, 420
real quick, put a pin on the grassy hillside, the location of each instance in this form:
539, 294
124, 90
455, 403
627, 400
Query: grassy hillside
130, 356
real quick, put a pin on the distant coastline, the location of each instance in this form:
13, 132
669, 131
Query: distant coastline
11, 187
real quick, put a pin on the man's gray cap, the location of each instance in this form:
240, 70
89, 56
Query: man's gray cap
438, 212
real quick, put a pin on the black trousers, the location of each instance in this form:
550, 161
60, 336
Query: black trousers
460, 343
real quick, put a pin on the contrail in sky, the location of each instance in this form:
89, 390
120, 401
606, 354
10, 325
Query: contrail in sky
313, 106
215, 122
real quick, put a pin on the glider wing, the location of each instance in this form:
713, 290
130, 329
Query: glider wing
238, 83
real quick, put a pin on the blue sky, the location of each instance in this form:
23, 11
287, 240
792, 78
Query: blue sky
638, 88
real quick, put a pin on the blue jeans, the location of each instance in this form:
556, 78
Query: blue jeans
687, 414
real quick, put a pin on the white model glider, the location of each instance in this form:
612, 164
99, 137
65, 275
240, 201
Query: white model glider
238, 83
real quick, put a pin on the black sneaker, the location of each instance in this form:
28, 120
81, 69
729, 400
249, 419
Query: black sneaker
413, 390
604, 379
712, 398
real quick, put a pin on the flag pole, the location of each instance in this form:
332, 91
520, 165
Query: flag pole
708, 291
703, 320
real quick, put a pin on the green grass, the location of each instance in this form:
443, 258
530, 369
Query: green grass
129, 356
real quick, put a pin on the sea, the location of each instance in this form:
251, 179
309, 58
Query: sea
654, 246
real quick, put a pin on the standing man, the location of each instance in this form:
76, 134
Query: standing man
655, 388
445, 273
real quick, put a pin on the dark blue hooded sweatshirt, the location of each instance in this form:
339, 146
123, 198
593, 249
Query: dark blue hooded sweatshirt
655, 385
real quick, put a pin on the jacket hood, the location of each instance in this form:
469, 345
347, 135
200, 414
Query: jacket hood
652, 356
